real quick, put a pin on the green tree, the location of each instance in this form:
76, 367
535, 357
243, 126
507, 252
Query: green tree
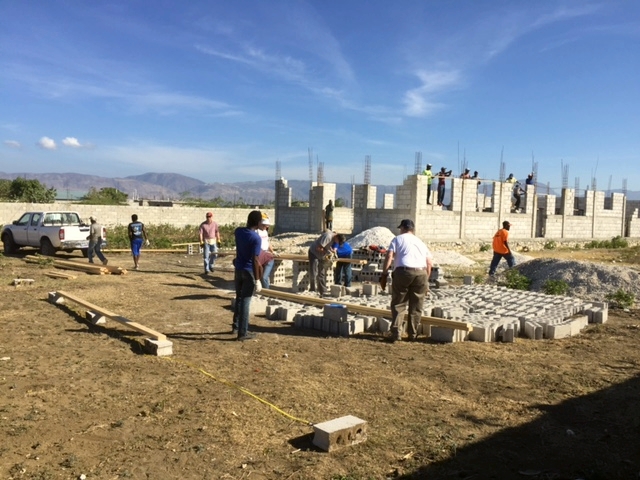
5, 188
104, 196
23, 190
340, 202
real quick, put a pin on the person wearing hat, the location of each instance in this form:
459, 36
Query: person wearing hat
429, 174
209, 233
444, 173
412, 263
466, 174
267, 254
501, 248
95, 241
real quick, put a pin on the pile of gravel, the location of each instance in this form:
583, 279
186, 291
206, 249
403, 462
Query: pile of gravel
586, 280
373, 236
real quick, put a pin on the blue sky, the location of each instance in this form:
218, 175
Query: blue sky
222, 90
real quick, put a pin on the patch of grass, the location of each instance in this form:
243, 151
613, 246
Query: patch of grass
516, 280
621, 299
165, 235
615, 242
484, 247
555, 287
550, 245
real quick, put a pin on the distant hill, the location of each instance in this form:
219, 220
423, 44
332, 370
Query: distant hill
173, 186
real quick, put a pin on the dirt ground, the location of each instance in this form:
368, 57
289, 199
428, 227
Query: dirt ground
85, 400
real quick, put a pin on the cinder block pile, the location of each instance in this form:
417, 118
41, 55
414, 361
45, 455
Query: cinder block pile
496, 313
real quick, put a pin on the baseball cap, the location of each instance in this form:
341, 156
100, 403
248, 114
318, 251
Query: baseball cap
408, 224
209, 214
506, 224
428, 165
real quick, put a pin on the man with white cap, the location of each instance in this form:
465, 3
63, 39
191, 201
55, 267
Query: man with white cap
412, 262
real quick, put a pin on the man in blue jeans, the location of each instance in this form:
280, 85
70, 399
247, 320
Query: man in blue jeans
209, 233
343, 269
248, 272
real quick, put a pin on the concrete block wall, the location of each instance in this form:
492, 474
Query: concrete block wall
387, 203
293, 219
632, 220
112, 215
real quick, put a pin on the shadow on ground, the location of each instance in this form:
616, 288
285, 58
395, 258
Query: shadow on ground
594, 437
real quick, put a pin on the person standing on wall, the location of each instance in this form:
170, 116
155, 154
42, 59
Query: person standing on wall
137, 235
442, 176
247, 273
95, 241
267, 254
209, 234
343, 269
466, 175
328, 216
321, 255
429, 174
501, 249
412, 262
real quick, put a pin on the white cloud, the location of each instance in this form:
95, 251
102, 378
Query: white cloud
71, 142
417, 100
12, 144
47, 143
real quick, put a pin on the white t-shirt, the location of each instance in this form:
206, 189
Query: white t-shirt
409, 251
264, 236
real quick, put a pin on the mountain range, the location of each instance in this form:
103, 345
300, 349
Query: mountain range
173, 186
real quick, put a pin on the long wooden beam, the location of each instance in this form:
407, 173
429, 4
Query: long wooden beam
355, 308
113, 316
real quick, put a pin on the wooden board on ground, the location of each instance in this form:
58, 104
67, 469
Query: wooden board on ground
355, 308
66, 276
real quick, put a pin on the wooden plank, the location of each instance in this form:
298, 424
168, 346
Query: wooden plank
355, 308
145, 250
114, 316
54, 274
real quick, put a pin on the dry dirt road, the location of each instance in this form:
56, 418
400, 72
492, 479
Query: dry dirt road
84, 400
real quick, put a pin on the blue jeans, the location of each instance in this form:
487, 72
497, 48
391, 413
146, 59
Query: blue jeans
209, 253
266, 271
343, 269
245, 284
95, 247
496, 260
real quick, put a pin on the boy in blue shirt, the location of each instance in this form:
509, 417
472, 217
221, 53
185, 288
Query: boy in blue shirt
343, 269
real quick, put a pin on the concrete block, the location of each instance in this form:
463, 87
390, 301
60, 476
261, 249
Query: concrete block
443, 334
340, 432
508, 335
55, 298
561, 330
317, 322
467, 280
258, 306
346, 329
370, 289
307, 322
95, 318
271, 312
578, 323
298, 321
286, 314
160, 348
384, 325
480, 333
335, 312
337, 290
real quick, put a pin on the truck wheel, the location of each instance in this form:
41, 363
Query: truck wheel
9, 245
46, 248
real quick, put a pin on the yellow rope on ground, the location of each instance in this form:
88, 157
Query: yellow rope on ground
242, 389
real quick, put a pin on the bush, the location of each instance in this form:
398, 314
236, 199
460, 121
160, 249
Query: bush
484, 247
621, 299
550, 245
515, 280
555, 287
615, 242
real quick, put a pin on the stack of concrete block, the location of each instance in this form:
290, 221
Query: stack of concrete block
278, 274
300, 280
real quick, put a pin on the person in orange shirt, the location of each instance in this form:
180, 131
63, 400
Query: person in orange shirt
501, 248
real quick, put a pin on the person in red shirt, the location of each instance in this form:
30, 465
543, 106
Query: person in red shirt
501, 248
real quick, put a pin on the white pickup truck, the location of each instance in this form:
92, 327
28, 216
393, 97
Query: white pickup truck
48, 231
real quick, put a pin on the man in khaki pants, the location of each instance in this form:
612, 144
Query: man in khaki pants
412, 262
